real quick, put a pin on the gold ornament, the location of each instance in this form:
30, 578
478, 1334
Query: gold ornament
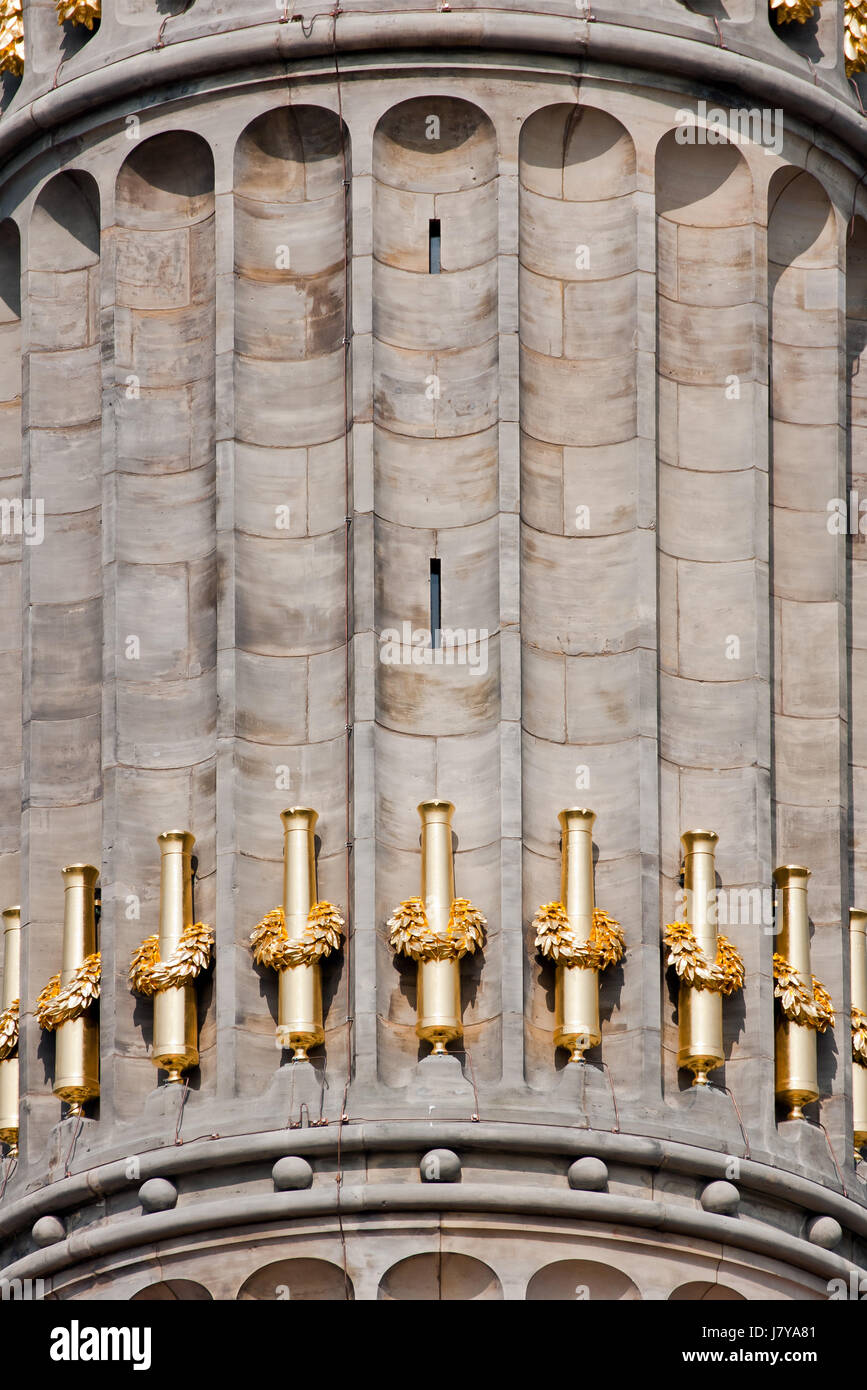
56, 1005
9, 1030
272, 946
723, 975
149, 975
410, 935
11, 37
859, 1036
798, 1004
556, 940
855, 36
798, 10
86, 12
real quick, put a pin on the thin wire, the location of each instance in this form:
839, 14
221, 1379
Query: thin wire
178, 1139
79, 1126
834, 1157
744, 1134
11, 1164
475, 1117
607, 1071
347, 1283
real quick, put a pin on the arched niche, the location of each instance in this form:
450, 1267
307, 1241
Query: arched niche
436, 532
700, 1291
64, 228
440, 1278
573, 1281
164, 532
10, 349
435, 144
293, 1280
154, 12
712, 525
292, 235
173, 1291
167, 179
736, 11
817, 38
579, 324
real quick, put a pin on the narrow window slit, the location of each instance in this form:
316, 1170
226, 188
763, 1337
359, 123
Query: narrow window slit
434, 246
435, 602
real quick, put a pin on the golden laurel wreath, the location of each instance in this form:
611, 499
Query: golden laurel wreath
723, 975
556, 940
11, 37
85, 12
272, 946
798, 10
410, 933
56, 1004
9, 1030
859, 1036
855, 36
149, 975
813, 1009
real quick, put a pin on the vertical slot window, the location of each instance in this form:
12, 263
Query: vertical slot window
435, 602
434, 246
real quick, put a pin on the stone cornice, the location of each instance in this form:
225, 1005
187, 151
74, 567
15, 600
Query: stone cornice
427, 38
757, 1180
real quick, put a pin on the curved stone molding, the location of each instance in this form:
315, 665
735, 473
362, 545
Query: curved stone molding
198, 57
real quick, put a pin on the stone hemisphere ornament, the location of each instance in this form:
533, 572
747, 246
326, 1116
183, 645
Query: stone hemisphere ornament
825, 1232
588, 1175
440, 1165
158, 1194
48, 1230
721, 1199
291, 1174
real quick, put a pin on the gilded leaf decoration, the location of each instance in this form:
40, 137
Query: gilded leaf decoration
9, 1030
723, 975
813, 1008
11, 37
58, 1004
272, 946
411, 935
556, 940
149, 975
